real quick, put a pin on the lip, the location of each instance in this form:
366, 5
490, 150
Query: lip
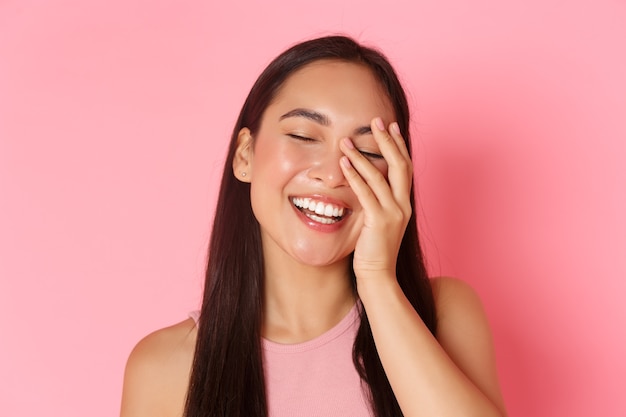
320, 227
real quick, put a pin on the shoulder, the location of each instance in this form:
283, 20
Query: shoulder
164, 347
464, 333
157, 372
460, 312
452, 295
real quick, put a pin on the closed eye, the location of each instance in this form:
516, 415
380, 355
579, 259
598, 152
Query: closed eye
371, 155
299, 137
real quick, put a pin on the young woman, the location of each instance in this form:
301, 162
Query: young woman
316, 300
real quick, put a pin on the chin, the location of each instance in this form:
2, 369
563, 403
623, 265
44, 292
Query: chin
314, 258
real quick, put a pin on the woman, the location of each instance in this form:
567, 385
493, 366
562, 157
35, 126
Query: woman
316, 300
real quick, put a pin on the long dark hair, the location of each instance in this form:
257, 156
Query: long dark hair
227, 374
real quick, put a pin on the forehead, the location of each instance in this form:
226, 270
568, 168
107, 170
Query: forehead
337, 86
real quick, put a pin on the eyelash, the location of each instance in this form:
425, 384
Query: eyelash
302, 138
369, 155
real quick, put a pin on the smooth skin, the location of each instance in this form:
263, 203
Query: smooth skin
453, 375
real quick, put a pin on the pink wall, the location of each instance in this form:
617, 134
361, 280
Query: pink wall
113, 122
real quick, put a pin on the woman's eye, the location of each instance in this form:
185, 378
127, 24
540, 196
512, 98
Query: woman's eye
371, 155
300, 137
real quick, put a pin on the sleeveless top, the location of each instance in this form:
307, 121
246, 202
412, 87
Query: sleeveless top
316, 377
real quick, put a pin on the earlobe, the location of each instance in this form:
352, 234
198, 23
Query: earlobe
242, 162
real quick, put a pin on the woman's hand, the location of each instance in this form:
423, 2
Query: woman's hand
385, 201
454, 377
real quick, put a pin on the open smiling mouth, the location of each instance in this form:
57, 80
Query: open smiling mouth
318, 211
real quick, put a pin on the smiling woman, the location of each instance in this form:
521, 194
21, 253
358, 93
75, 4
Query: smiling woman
316, 298
295, 155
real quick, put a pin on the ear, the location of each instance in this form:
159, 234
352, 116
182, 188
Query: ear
242, 163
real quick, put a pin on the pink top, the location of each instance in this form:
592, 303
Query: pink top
317, 377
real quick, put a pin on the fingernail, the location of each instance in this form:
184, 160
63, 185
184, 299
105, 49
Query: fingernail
345, 162
348, 143
395, 128
379, 124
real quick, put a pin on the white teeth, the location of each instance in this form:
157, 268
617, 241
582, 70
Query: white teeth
319, 208
323, 220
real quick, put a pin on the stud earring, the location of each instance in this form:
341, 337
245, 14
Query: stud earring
243, 174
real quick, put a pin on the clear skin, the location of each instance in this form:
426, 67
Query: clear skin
330, 135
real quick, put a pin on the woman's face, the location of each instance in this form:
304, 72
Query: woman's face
304, 206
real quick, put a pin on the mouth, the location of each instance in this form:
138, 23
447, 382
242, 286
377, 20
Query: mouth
319, 211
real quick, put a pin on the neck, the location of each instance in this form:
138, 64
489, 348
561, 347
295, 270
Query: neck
302, 301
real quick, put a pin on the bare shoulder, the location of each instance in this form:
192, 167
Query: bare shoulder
464, 333
453, 294
157, 372
460, 316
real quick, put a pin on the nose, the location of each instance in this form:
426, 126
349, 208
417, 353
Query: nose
325, 168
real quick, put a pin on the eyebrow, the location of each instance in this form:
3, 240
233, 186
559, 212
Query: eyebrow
317, 117
321, 119
363, 130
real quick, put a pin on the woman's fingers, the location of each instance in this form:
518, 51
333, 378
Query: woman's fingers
394, 128
369, 182
384, 195
360, 177
393, 149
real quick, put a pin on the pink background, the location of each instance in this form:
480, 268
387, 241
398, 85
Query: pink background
114, 117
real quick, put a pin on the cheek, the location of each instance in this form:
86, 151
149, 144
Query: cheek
282, 159
288, 162
382, 167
